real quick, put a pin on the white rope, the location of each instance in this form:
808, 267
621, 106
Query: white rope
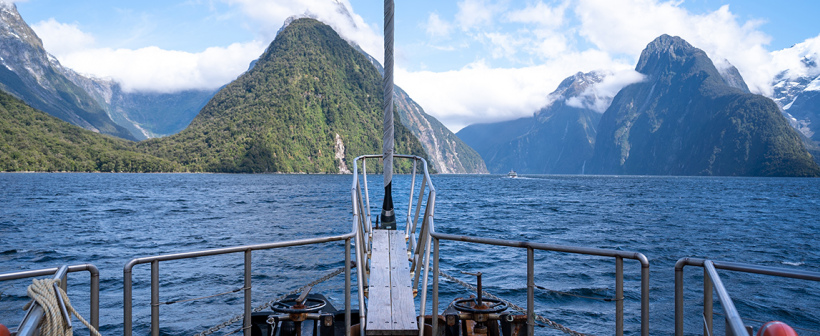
53, 324
387, 85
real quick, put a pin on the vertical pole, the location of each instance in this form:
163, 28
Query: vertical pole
347, 289
407, 224
645, 300
366, 196
246, 326
388, 215
435, 286
126, 300
679, 301
423, 305
619, 296
361, 282
708, 303
155, 298
95, 299
530, 291
64, 282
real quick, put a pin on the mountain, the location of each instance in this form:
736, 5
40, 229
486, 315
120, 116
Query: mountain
797, 91
32, 140
145, 114
311, 104
448, 153
684, 119
28, 73
558, 139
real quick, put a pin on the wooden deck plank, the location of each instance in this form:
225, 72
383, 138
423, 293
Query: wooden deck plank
391, 310
401, 291
379, 308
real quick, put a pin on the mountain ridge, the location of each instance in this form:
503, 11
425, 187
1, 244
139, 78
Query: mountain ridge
29, 73
310, 104
686, 120
557, 139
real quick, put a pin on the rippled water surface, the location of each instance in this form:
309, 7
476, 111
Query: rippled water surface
48, 220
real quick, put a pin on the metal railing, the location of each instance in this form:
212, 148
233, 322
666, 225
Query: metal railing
712, 282
531, 247
35, 313
362, 211
420, 248
247, 250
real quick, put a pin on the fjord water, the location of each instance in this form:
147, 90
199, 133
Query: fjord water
48, 220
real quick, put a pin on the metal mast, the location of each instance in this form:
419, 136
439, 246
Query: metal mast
388, 215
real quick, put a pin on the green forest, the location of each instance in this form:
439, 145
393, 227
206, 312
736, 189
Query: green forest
285, 115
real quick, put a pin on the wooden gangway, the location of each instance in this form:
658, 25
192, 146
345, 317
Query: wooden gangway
390, 308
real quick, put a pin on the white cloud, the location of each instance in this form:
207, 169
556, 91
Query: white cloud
158, 70
625, 27
155, 69
504, 45
476, 13
268, 16
598, 97
480, 94
541, 14
62, 38
792, 59
436, 27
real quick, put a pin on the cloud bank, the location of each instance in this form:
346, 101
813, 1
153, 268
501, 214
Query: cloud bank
519, 51
598, 97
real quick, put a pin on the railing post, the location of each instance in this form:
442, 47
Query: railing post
347, 289
126, 300
435, 286
407, 224
530, 291
645, 298
155, 298
366, 194
95, 297
679, 299
64, 282
619, 296
246, 326
423, 305
708, 304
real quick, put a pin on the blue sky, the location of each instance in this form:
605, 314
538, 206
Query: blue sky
464, 61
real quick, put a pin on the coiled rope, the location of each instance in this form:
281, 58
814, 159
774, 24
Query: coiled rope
549, 323
43, 292
237, 318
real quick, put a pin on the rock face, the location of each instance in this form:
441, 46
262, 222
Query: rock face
684, 119
29, 73
558, 139
448, 154
310, 104
145, 114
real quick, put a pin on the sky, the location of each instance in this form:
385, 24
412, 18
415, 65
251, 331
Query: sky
463, 61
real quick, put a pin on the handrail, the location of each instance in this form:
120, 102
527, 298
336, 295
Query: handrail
362, 204
712, 279
60, 273
247, 249
617, 254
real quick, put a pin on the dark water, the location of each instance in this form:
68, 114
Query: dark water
107, 219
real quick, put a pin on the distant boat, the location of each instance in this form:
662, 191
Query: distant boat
512, 174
